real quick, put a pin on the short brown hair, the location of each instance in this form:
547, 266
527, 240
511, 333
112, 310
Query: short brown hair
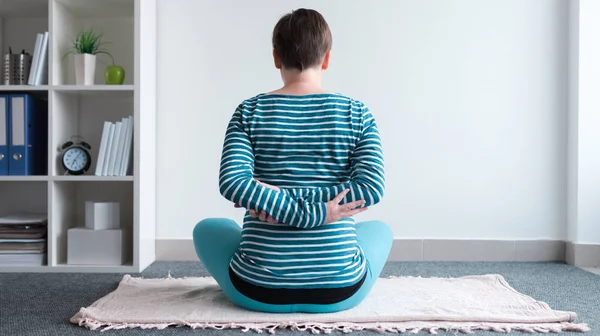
301, 39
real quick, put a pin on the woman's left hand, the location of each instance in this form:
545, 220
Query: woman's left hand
263, 216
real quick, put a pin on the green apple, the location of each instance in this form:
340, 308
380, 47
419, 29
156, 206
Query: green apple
114, 75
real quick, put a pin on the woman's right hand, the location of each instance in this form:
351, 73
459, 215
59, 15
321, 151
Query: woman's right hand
337, 211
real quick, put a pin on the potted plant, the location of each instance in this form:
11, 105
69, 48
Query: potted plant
85, 49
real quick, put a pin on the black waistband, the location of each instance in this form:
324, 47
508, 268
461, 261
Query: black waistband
294, 296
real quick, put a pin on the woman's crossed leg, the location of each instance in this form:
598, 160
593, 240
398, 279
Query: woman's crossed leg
217, 239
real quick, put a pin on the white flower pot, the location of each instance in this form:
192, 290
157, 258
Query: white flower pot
85, 69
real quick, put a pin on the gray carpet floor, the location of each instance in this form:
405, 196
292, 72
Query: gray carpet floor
41, 304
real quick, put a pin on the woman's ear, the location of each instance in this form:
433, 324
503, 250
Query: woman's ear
276, 60
325, 65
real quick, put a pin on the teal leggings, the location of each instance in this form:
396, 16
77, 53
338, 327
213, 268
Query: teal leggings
217, 239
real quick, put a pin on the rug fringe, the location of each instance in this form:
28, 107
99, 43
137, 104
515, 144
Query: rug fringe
327, 328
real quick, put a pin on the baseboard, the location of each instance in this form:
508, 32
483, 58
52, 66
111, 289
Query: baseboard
582, 255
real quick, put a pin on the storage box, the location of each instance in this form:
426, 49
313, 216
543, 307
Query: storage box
95, 247
102, 215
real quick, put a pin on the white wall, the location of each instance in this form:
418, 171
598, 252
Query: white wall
584, 122
470, 95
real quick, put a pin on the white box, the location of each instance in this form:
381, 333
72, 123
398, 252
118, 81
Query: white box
95, 247
102, 215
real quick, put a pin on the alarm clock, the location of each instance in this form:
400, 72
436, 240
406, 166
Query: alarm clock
75, 156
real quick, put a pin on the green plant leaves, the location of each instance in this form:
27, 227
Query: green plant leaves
89, 42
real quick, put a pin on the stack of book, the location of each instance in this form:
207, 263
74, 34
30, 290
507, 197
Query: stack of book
114, 157
23, 240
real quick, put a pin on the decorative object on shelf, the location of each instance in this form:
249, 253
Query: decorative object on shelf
95, 247
100, 242
85, 49
17, 68
75, 157
114, 74
85, 69
102, 215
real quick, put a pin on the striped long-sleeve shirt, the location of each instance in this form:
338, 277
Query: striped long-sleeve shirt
312, 147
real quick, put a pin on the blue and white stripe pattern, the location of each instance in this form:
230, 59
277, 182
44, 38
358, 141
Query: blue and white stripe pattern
312, 147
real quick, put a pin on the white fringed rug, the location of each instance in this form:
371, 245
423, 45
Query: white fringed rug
396, 304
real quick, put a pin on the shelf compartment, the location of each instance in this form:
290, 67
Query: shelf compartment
20, 22
34, 134
114, 19
84, 115
99, 89
125, 268
23, 88
93, 178
24, 8
24, 269
25, 197
99, 9
68, 211
24, 178
64, 268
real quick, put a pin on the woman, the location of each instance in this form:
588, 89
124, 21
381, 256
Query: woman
303, 161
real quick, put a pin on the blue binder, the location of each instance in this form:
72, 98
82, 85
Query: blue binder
28, 140
4, 134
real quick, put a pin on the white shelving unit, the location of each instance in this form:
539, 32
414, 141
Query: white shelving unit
130, 28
